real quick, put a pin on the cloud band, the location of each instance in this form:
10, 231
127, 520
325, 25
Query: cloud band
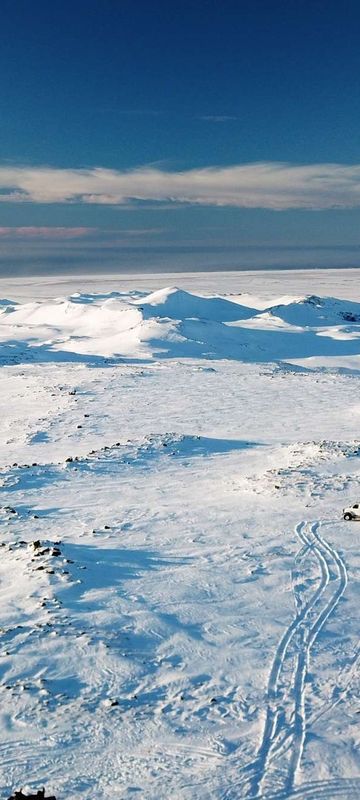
277, 186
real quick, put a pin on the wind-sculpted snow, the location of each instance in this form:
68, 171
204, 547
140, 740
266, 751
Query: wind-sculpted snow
315, 311
180, 305
172, 323
170, 624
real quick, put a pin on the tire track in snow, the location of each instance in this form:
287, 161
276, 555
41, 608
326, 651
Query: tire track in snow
343, 788
302, 664
309, 638
273, 724
303, 635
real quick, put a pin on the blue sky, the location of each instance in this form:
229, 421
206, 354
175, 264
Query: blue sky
179, 135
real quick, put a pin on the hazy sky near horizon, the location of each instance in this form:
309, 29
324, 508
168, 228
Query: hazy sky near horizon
160, 136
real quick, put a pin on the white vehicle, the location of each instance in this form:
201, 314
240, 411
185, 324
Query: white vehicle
352, 512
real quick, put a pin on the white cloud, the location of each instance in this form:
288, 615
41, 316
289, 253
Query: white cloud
43, 232
262, 185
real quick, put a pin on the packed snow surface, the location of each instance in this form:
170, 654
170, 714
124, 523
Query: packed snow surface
179, 592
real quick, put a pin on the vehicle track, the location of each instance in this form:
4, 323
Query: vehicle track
273, 724
309, 638
285, 727
302, 664
343, 788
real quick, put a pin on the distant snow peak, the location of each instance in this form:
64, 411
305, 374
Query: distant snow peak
173, 323
314, 311
178, 304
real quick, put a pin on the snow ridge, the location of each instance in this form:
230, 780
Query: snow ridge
172, 323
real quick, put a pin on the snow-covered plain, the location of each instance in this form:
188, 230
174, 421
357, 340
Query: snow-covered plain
179, 594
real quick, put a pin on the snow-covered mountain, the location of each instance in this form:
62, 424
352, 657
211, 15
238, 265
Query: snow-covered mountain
312, 311
172, 323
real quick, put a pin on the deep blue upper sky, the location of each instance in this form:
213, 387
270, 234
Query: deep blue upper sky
181, 85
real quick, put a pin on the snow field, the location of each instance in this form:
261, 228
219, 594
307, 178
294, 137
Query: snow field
179, 594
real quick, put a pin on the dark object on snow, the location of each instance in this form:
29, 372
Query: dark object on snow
40, 795
349, 317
